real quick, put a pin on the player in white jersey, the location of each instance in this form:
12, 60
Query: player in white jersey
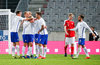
37, 37
15, 24
43, 36
81, 27
27, 36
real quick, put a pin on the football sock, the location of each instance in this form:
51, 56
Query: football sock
13, 50
23, 51
18, 50
72, 50
30, 50
41, 51
45, 51
79, 49
37, 50
65, 48
86, 52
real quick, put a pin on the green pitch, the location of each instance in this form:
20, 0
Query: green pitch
51, 60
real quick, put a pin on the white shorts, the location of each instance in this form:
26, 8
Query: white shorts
69, 40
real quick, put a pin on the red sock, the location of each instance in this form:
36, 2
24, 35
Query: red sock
65, 48
72, 50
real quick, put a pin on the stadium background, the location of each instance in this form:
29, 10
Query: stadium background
54, 12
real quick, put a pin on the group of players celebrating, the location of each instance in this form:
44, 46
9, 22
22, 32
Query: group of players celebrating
36, 29
33, 29
70, 28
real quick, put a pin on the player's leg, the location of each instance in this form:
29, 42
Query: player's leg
65, 49
45, 51
24, 46
23, 50
31, 37
13, 39
30, 49
86, 52
80, 42
13, 50
45, 45
72, 50
41, 51
72, 41
37, 40
66, 45
78, 51
37, 49
41, 47
18, 49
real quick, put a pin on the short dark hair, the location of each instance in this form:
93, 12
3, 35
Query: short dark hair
39, 13
93, 27
17, 12
82, 16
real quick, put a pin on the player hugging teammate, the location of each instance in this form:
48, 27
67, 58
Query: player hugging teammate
33, 29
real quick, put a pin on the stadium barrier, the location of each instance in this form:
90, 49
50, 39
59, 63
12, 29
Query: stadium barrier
56, 47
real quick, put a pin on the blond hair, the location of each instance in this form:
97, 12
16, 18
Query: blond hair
30, 12
70, 14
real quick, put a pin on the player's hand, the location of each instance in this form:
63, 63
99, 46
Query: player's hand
38, 32
32, 21
68, 29
45, 27
67, 33
93, 34
35, 18
75, 37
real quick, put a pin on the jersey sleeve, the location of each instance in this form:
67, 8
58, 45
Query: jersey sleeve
21, 19
65, 23
43, 22
86, 26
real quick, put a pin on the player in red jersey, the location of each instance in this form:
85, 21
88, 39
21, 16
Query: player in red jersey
69, 35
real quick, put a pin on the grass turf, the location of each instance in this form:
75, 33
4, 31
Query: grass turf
52, 59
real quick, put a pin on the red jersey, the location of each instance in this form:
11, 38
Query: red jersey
69, 25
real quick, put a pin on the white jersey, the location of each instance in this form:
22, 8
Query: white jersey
15, 23
28, 28
81, 26
38, 25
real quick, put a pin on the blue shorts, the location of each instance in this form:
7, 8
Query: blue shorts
81, 41
28, 38
44, 39
37, 38
14, 37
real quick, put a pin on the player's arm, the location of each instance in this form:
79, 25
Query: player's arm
42, 28
74, 28
85, 25
65, 30
27, 19
22, 22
